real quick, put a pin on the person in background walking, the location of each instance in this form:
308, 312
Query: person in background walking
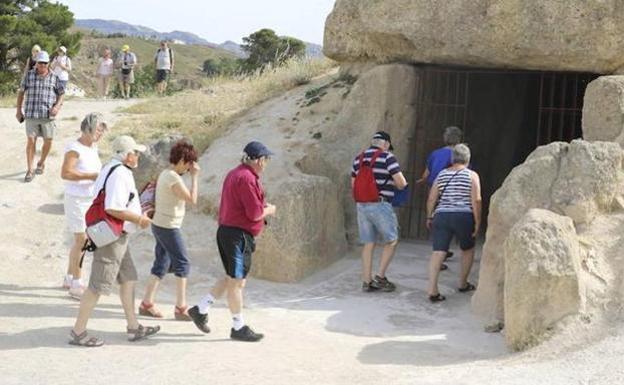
104, 72
41, 96
126, 62
172, 195
61, 66
164, 61
31, 61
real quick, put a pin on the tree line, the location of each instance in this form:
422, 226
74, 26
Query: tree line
24, 23
263, 48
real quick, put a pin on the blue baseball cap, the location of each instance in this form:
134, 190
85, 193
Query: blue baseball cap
256, 150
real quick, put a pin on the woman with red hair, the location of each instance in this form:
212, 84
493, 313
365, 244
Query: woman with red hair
170, 251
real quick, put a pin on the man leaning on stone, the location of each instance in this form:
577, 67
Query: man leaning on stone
43, 94
377, 221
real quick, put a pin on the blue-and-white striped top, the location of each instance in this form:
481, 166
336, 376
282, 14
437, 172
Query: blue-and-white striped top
455, 196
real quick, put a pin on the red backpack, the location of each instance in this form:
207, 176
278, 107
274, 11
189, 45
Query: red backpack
364, 185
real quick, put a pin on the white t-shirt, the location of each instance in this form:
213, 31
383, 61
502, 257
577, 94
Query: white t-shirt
163, 59
120, 187
58, 71
105, 67
88, 161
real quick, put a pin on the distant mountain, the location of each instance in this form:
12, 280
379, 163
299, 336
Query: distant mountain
312, 50
234, 48
179, 37
114, 26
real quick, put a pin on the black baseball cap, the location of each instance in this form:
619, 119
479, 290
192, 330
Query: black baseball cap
256, 150
385, 136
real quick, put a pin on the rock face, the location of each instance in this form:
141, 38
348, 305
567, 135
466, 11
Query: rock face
543, 35
542, 263
603, 110
526, 256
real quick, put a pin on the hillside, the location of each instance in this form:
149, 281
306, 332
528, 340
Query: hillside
189, 59
115, 26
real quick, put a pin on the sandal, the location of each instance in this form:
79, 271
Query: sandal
29, 176
437, 298
443, 267
469, 287
142, 332
449, 254
180, 313
83, 339
148, 310
40, 168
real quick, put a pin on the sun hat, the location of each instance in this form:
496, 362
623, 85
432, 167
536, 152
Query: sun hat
62, 48
125, 144
125, 47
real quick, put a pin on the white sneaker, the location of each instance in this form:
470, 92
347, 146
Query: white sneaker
76, 292
67, 280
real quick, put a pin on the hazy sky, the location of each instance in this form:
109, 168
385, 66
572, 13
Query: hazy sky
215, 21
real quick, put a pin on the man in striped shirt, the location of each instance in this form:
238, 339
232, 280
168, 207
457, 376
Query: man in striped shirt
44, 97
377, 221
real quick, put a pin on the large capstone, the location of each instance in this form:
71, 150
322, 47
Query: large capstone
575, 35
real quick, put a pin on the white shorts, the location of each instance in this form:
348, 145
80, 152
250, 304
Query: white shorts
75, 209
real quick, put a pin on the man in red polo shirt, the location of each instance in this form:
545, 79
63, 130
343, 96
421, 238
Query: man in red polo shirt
242, 216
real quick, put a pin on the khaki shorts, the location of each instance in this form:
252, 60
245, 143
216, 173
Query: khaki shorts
129, 78
112, 263
40, 127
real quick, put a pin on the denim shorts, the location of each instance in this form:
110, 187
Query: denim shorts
235, 248
447, 225
170, 251
377, 222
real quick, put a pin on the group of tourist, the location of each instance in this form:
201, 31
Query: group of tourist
126, 62
453, 208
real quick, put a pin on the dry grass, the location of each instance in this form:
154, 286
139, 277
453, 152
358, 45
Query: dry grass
203, 114
8, 101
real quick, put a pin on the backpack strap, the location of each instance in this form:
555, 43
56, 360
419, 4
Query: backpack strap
373, 158
107, 176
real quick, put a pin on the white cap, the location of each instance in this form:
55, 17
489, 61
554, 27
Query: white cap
124, 144
62, 48
42, 56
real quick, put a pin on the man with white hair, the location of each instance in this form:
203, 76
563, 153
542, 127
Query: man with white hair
41, 96
113, 262
242, 214
377, 221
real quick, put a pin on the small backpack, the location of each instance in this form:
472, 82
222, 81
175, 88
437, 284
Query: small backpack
147, 197
364, 185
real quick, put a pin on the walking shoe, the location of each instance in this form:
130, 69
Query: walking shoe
67, 282
200, 320
383, 284
245, 334
368, 287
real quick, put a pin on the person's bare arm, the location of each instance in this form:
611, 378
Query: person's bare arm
475, 195
423, 177
399, 180
434, 193
68, 169
126, 215
57, 106
20, 100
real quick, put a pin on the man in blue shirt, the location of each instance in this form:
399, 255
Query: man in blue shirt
440, 159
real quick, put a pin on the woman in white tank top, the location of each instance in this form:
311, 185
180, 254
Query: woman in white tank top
454, 210
81, 166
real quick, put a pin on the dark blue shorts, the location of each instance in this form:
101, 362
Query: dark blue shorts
170, 251
235, 247
447, 225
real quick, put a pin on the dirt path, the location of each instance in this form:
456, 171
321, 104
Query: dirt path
320, 331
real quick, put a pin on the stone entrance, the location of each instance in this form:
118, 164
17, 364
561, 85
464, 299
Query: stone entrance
505, 115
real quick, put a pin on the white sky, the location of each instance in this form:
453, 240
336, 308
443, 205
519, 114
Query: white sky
215, 21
